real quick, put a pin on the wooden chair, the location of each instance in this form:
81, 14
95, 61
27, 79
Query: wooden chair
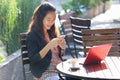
77, 25
24, 54
102, 36
67, 30
25, 58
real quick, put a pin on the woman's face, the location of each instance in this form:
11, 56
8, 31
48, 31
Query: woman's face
49, 20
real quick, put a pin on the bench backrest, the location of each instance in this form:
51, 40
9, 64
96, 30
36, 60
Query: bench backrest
102, 36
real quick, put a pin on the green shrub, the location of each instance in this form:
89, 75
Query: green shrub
1, 59
79, 5
14, 19
3, 53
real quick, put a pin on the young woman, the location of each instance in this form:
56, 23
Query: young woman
42, 42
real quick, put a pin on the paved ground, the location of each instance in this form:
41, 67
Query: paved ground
109, 19
111, 15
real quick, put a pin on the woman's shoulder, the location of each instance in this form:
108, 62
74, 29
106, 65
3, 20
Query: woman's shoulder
33, 35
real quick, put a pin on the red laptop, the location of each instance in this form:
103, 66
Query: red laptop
97, 54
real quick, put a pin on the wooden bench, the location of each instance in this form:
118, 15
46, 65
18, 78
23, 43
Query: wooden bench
102, 36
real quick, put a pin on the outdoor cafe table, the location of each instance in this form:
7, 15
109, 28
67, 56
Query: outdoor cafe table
108, 69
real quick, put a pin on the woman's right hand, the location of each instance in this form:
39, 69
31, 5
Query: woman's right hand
54, 42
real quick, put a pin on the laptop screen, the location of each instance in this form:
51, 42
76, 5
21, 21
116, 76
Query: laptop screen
97, 53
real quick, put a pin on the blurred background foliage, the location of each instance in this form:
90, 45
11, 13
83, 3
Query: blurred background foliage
15, 16
80, 6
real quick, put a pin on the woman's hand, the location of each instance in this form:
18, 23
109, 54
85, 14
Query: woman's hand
54, 42
62, 42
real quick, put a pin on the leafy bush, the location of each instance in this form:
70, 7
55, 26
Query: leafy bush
3, 53
80, 5
14, 19
0, 59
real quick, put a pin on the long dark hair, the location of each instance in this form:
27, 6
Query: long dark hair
37, 19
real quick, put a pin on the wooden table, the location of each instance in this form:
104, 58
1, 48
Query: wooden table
107, 69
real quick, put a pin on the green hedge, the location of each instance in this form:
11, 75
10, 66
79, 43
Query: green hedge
14, 19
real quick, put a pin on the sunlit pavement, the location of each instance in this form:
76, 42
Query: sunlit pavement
110, 18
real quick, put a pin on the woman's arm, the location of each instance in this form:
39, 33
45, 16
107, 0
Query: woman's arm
53, 43
34, 53
44, 51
